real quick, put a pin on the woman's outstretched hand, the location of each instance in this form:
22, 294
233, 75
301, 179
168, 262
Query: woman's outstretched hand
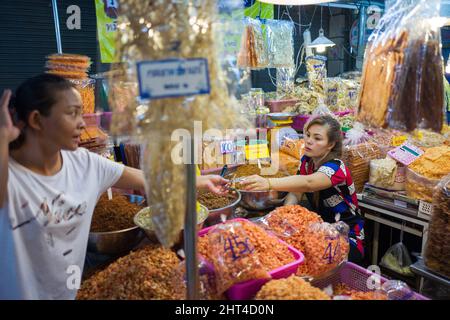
7, 129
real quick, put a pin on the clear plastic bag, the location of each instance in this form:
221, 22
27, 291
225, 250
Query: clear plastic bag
384, 174
437, 251
402, 82
397, 258
293, 147
207, 281
326, 246
280, 43
397, 290
322, 109
356, 135
419, 187
290, 224
316, 68
233, 256
253, 52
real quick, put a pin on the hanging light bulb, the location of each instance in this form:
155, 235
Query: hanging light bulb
321, 43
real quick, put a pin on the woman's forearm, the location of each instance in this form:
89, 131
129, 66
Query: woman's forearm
296, 184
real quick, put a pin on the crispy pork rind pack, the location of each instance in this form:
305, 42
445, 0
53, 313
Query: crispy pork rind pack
402, 82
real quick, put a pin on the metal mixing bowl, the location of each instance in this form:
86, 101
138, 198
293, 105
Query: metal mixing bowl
262, 200
119, 241
114, 242
215, 215
149, 230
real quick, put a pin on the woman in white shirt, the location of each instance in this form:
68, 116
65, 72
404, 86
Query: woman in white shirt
49, 188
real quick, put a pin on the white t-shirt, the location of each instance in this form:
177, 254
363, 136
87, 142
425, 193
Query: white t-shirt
45, 222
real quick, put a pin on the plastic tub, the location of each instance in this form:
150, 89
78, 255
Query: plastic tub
247, 290
276, 106
357, 278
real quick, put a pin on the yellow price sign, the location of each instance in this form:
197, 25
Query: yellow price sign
398, 140
256, 151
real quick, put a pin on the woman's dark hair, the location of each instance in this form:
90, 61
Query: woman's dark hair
333, 133
37, 93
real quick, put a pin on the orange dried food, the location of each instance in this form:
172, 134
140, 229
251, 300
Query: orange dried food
266, 248
87, 97
69, 74
326, 246
290, 223
234, 256
344, 290
145, 274
69, 57
64, 66
292, 288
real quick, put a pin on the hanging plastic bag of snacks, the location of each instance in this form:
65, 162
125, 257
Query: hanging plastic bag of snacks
234, 257
316, 68
155, 30
280, 43
402, 82
437, 252
326, 246
253, 52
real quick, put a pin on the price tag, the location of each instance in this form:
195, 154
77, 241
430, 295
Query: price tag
173, 78
398, 140
257, 151
227, 146
237, 248
406, 153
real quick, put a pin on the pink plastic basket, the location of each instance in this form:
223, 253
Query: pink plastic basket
247, 290
299, 122
356, 278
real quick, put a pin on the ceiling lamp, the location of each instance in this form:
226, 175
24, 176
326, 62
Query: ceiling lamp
321, 43
295, 2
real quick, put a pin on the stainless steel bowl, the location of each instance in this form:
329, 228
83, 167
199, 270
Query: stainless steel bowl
150, 231
215, 215
114, 242
262, 200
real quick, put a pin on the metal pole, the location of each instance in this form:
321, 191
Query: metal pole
57, 31
362, 35
190, 231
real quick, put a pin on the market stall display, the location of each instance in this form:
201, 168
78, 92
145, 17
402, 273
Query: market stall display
437, 252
